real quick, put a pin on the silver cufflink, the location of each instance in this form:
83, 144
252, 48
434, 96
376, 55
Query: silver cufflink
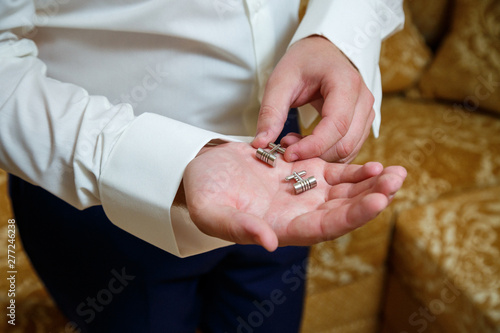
268, 156
301, 184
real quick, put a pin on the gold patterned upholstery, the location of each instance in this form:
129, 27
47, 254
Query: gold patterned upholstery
346, 279
467, 65
403, 57
431, 18
447, 252
431, 261
445, 151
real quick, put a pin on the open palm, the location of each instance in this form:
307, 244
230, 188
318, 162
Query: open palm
232, 195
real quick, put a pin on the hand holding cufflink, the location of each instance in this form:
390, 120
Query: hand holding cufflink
270, 158
231, 195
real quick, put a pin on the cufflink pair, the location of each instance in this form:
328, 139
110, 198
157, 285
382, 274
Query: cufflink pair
270, 158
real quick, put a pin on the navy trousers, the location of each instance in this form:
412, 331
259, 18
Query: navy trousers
107, 280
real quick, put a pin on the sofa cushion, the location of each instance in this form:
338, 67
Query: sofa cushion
431, 17
401, 310
466, 68
345, 279
443, 148
350, 257
447, 253
351, 308
403, 57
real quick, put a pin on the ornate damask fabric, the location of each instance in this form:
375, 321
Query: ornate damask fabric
346, 280
445, 150
466, 68
431, 17
443, 147
350, 308
447, 231
403, 57
448, 253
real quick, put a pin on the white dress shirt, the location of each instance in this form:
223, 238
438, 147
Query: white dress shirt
105, 102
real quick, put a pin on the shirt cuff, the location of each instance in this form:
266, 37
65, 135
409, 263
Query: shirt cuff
357, 28
140, 179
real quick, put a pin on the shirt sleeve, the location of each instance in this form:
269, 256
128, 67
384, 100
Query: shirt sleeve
88, 152
357, 28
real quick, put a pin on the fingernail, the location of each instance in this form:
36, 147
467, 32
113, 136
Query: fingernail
294, 157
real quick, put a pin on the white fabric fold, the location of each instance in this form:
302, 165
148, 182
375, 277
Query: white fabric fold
95, 100
137, 187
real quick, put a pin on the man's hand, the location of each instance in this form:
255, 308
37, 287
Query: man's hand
232, 195
315, 71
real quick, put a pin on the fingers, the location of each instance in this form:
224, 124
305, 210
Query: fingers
339, 221
290, 139
359, 213
388, 182
351, 173
328, 224
333, 86
274, 108
269, 125
345, 150
347, 117
350, 205
234, 225
337, 114
361, 140
401, 171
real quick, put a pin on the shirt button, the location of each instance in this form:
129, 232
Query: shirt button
257, 5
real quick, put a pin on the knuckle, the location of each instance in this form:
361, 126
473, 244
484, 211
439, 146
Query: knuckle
356, 80
353, 81
318, 146
267, 112
371, 117
345, 148
369, 99
341, 124
269, 116
271, 119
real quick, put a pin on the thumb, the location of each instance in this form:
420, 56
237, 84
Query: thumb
273, 111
